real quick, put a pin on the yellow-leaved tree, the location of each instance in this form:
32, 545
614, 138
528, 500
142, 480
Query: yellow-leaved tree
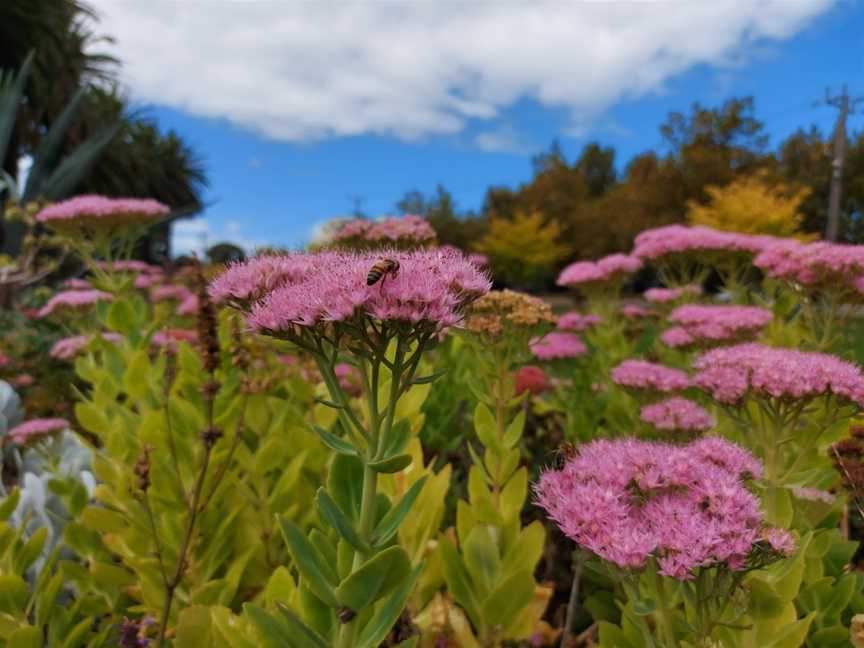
525, 250
752, 205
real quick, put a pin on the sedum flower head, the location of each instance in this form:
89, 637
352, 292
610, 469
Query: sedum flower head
35, 429
711, 324
308, 290
677, 414
686, 506
558, 346
649, 376
577, 322
729, 374
613, 268
668, 295
96, 212
245, 282
73, 300
67, 348
822, 266
407, 231
669, 240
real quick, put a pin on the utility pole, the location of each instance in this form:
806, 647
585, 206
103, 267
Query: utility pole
846, 106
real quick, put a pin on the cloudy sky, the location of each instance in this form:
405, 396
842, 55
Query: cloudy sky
304, 109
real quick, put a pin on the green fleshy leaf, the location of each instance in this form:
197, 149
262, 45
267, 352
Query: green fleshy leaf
319, 576
381, 623
311, 639
389, 524
334, 442
331, 512
271, 630
392, 464
373, 579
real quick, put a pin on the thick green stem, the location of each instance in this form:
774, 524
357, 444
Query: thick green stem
573, 603
348, 631
664, 616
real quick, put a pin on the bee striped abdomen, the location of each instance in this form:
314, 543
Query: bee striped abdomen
381, 268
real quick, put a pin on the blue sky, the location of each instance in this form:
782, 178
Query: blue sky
277, 171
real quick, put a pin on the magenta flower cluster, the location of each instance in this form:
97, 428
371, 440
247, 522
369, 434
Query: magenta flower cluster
92, 210
410, 228
822, 265
643, 375
728, 374
131, 266
36, 428
558, 346
163, 293
677, 414
686, 506
246, 282
68, 347
614, 267
667, 295
713, 323
309, 289
577, 322
679, 239
73, 300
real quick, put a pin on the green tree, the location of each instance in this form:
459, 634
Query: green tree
805, 158
711, 146
440, 210
523, 251
596, 165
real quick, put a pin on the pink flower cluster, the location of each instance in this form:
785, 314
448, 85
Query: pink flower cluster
679, 239
245, 282
558, 346
480, 260
730, 373
430, 286
36, 428
577, 322
132, 266
188, 306
163, 293
614, 267
813, 495
710, 324
410, 228
687, 506
73, 300
677, 414
823, 265
77, 284
640, 374
93, 211
67, 348
667, 295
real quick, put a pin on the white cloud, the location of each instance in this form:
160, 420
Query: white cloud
196, 235
306, 70
504, 139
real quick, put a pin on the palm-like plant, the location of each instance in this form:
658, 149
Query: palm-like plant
52, 175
